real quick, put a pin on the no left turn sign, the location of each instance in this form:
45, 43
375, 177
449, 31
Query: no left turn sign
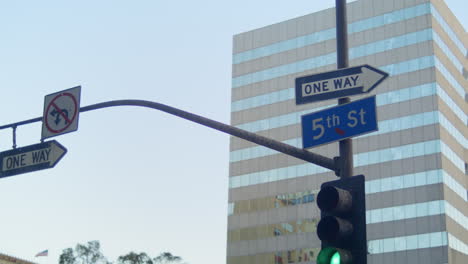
61, 111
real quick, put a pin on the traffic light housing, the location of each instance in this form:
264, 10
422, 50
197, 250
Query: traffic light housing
342, 227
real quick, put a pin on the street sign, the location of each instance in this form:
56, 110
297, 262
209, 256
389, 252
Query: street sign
338, 83
31, 158
61, 112
339, 122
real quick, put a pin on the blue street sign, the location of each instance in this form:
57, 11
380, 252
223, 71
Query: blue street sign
31, 158
338, 83
339, 122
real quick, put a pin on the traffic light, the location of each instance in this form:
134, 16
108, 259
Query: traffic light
342, 227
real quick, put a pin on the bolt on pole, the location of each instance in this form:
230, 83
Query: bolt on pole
346, 145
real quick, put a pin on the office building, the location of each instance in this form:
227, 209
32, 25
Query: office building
415, 164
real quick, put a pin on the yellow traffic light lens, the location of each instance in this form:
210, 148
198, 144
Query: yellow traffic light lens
336, 258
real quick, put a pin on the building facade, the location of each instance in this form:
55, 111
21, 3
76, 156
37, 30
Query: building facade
6, 259
415, 165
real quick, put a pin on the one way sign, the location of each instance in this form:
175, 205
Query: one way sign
31, 158
338, 83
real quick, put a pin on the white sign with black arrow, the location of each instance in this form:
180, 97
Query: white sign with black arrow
338, 83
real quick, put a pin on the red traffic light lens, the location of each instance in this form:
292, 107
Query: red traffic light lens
334, 200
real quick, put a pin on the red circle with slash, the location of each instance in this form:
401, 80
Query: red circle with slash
59, 111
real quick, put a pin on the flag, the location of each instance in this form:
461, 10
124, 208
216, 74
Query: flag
44, 253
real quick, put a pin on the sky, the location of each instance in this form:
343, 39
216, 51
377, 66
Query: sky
133, 178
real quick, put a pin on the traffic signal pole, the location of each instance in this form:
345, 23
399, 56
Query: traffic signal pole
234, 131
342, 227
346, 146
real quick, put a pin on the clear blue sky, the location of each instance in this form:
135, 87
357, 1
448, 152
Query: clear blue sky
133, 178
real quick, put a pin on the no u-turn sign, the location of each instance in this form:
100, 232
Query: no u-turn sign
61, 111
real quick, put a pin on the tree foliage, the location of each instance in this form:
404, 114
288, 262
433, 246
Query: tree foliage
90, 253
67, 257
166, 258
135, 258
83, 254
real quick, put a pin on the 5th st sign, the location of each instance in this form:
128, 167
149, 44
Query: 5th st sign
338, 83
31, 158
339, 122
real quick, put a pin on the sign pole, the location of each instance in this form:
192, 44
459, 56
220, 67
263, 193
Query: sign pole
279, 146
346, 145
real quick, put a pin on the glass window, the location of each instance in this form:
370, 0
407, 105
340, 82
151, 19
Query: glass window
409, 180
273, 176
386, 184
279, 258
423, 241
400, 244
435, 208
372, 159
374, 186
368, 217
422, 209
434, 176
235, 181
292, 256
387, 214
410, 211
414, 242
388, 245
448, 30
361, 159
291, 172
376, 215
436, 239
396, 183
379, 246
398, 213
396, 153
411, 242
326, 60
420, 180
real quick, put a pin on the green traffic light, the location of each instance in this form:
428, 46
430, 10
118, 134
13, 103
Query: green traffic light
325, 255
336, 258
331, 255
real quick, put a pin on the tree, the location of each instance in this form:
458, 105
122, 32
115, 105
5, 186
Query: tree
90, 253
166, 258
67, 257
83, 254
135, 258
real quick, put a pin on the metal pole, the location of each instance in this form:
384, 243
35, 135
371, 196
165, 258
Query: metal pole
231, 130
342, 60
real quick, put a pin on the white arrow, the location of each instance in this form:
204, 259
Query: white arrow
56, 153
369, 78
